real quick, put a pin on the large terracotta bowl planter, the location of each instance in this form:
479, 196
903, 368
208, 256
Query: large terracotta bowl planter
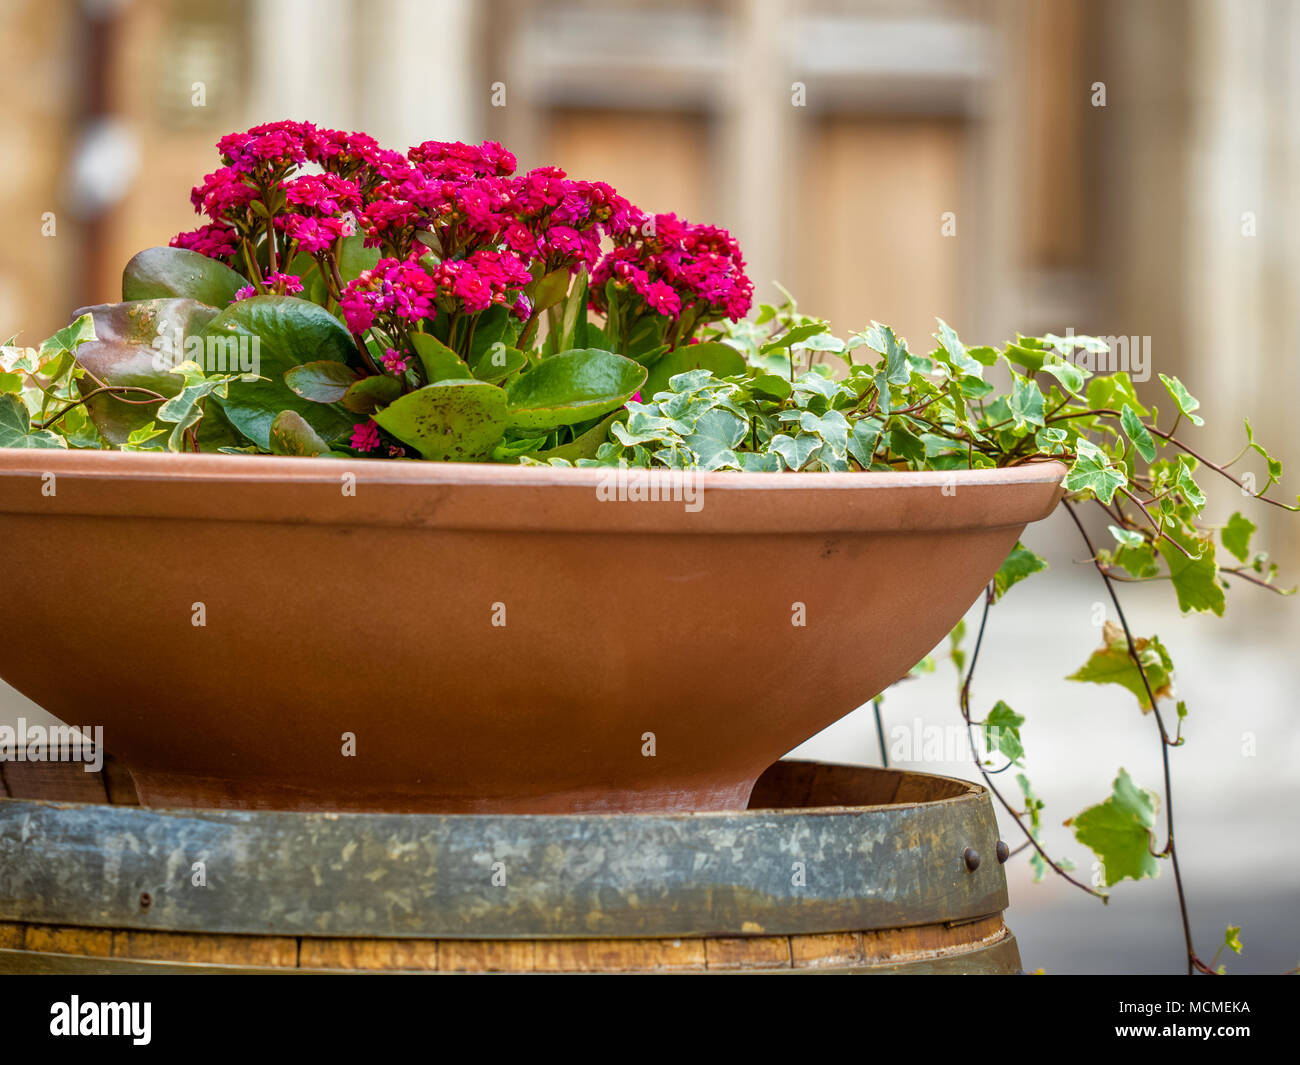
649, 657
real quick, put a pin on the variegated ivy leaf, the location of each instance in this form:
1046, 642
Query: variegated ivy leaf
760, 462
1093, 472
716, 435
1021, 563
864, 439
907, 445
1112, 664
1187, 403
832, 427
16, 430
1071, 377
1138, 433
951, 345
795, 451
1025, 402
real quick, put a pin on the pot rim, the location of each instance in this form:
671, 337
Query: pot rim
483, 497
149, 465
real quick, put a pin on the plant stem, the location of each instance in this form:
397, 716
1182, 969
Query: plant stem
1193, 962
970, 733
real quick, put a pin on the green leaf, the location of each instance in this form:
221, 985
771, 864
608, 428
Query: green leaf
497, 362
1112, 391
1232, 938
440, 362
754, 462
794, 337
1127, 537
186, 409
370, 393
449, 421
769, 384
16, 430
1021, 563
1024, 355
1274, 465
863, 440
794, 451
289, 333
1137, 433
1071, 377
136, 345
580, 447
716, 434
1002, 731
1236, 536
1119, 831
548, 290
1093, 472
156, 273
71, 336
571, 387
1186, 402
721, 359
956, 351
1195, 579
574, 310
1025, 402
1112, 664
321, 382
141, 439
907, 445
291, 435
883, 339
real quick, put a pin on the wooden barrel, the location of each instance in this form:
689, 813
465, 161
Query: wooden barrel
831, 869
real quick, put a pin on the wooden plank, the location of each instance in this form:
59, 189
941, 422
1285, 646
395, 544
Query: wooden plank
58, 781
118, 783
189, 947
84, 942
369, 955
1002, 956
820, 952
12, 936
619, 955
486, 956
747, 952
902, 944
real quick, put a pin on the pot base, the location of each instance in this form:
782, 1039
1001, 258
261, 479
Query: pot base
179, 790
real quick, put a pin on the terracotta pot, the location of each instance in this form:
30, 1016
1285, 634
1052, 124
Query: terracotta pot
476, 638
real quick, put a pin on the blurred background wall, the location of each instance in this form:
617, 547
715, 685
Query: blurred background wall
1119, 167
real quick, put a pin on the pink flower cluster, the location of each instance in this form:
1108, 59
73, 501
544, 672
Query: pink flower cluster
278, 283
400, 288
491, 231
676, 267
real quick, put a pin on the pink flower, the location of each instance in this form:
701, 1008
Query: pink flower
214, 241
394, 361
247, 292
365, 436
284, 284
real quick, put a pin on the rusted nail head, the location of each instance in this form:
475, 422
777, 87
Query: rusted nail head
972, 859
1003, 852
146, 900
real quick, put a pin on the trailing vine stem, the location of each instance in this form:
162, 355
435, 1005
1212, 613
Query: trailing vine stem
964, 703
1194, 963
